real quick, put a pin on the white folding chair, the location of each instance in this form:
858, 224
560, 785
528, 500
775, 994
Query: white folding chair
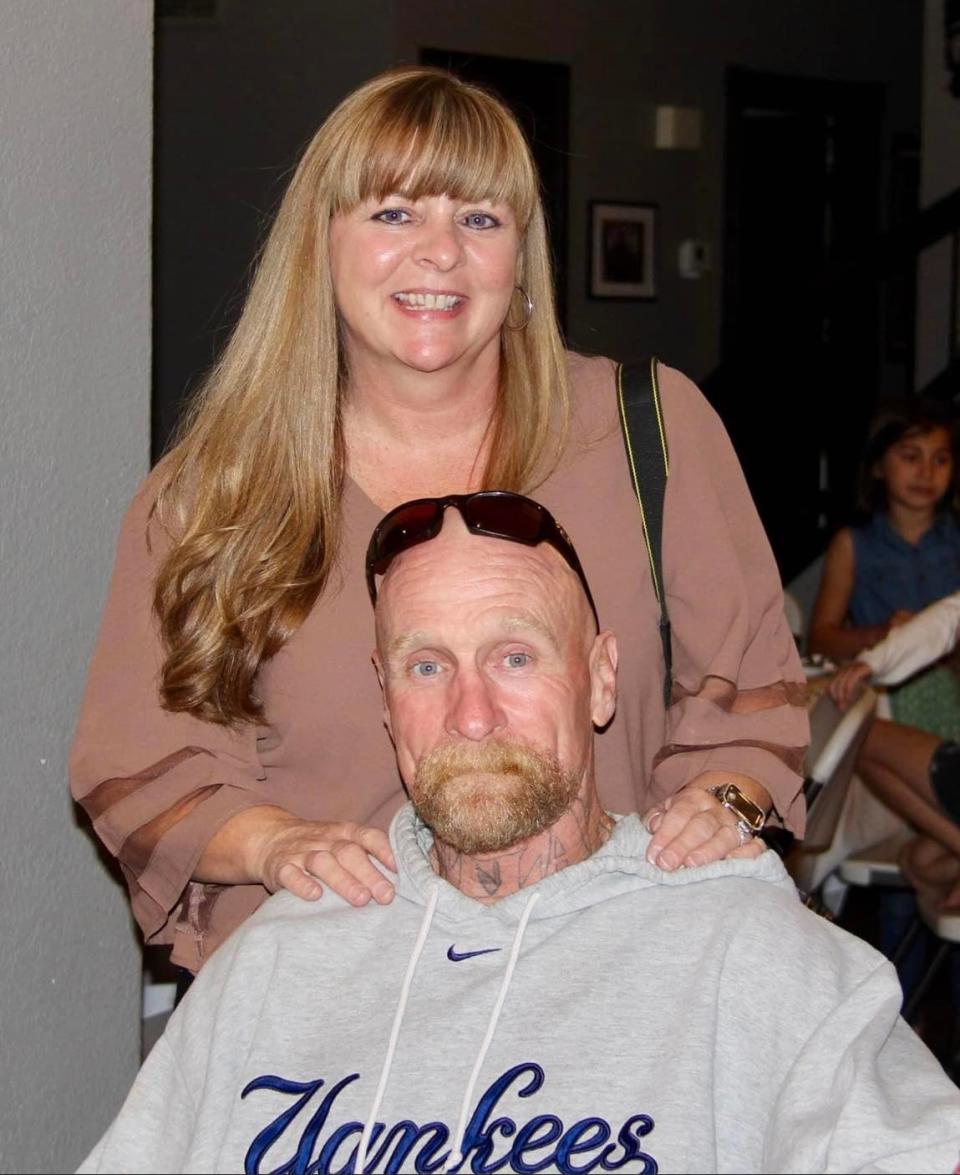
877, 864
835, 741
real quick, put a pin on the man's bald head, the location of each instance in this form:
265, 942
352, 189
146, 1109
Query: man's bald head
485, 644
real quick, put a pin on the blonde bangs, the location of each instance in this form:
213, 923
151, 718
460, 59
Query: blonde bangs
431, 138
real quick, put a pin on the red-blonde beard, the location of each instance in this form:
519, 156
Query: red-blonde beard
486, 797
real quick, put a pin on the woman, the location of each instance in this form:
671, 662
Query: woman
398, 341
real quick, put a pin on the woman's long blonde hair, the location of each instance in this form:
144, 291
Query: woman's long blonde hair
251, 491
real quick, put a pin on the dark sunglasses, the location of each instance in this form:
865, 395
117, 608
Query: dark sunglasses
497, 514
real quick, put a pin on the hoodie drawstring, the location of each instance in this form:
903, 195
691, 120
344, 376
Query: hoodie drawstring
455, 1156
395, 1031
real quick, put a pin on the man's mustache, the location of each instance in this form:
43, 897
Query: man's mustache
496, 757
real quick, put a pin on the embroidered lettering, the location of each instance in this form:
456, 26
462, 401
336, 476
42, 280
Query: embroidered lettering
492, 1141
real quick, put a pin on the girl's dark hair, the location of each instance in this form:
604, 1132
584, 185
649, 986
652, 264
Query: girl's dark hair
894, 420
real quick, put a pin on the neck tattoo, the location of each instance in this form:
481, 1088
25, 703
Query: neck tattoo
577, 835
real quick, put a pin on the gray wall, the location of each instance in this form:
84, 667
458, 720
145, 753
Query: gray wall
75, 109
939, 175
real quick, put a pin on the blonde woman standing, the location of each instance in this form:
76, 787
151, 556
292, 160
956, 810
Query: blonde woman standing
399, 340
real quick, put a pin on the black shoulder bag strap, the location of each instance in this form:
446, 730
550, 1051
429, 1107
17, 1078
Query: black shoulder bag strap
641, 420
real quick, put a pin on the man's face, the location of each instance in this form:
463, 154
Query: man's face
493, 679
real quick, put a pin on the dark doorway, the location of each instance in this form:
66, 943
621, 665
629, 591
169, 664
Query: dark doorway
538, 93
800, 346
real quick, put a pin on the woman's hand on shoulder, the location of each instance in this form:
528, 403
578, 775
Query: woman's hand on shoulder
303, 856
693, 828
265, 844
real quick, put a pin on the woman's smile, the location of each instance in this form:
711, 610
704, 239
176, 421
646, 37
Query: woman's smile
435, 303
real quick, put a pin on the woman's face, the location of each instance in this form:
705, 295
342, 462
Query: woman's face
424, 284
917, 470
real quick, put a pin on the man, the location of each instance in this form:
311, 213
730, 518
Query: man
539, 997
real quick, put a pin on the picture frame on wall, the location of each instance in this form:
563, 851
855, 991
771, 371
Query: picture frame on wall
623, 250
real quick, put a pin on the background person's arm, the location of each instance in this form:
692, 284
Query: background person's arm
828, 633
906, 649
917, 643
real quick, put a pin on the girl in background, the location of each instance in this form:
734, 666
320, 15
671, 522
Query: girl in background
905, 556
876, 576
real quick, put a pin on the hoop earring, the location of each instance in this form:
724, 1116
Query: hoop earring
527, 308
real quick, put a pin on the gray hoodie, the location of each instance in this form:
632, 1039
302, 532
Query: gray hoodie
609, 1018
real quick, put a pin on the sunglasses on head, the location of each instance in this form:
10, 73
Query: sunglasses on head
498, 514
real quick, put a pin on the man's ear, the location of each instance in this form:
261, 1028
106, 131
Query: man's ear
378, 665
603, 678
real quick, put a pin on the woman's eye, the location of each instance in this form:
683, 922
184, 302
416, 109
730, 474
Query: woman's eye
480, 220
392, 216
425, 669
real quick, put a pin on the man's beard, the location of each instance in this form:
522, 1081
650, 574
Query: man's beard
482, 798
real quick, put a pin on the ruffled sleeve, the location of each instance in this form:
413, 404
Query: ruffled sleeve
155, 785
738, 686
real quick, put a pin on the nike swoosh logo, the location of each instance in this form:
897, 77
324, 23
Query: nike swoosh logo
456, 956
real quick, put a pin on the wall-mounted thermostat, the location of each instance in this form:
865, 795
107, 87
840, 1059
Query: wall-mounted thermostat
693, 259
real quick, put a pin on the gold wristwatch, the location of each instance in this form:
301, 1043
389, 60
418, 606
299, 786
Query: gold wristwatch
750, 816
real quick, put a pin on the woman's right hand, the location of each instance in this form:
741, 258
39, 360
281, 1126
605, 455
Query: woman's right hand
304, 855
847, 684
270, 846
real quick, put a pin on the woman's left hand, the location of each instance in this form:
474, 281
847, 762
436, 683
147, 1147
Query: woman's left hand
694, 828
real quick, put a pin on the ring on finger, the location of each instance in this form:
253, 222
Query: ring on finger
744, 832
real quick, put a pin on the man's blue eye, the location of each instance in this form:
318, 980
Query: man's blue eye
518, 660
426, 669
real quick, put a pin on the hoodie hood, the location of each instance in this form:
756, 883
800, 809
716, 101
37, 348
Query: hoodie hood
620, 866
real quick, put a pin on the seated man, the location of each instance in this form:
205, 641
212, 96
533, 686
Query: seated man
538, 997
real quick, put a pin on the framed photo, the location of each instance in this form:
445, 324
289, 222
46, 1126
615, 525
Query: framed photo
622, 250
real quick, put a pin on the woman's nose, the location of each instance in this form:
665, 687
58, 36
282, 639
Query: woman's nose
439, 246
